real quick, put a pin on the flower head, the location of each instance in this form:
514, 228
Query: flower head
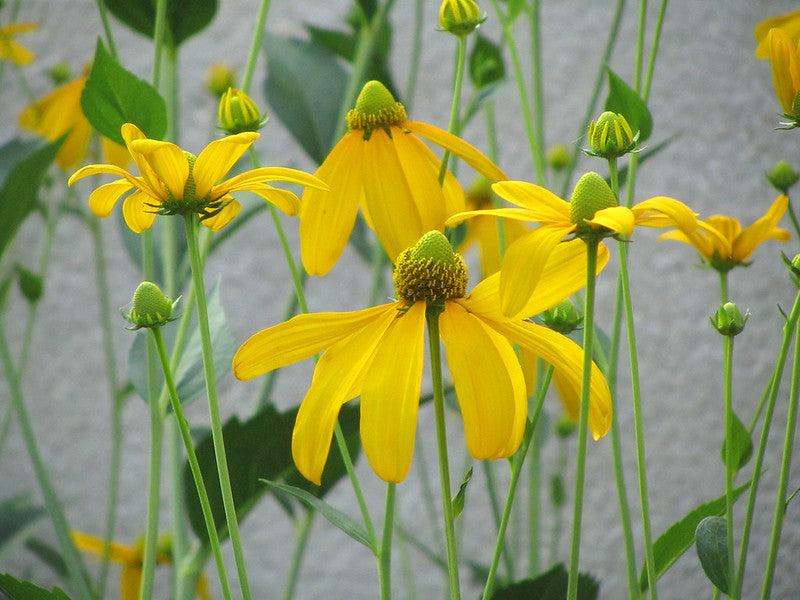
10, 49
172, 181
381, 165
592, 211
789, 23
60, 113
723, 243
784, 58
377, 354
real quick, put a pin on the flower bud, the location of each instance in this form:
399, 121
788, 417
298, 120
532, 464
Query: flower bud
60, 73
558, 157
150, 307
238, 112
782, 177
591, 194
563, 317
460, 17
728, 320
611, 136
220, 77
565, 427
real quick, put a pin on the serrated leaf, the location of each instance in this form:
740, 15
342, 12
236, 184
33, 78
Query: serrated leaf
712, 550
20, 189
742, 444
460, 497
17, 589
185, 18
114, 96
622, 99
486, 63
551, 585
336, 517
16, 514
679, 537
305, 86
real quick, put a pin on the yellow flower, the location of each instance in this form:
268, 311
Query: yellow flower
130, 557
381, 165
377, 353
789, 23
10, 49
784, 59
172, 181
60, 113
723, 243
592, 209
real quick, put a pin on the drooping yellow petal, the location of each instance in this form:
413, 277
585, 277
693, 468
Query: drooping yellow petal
167, 161
298, 338
130, 581
104, 170
483, 231
453, 194
138, 211
103, 199
515, 214
615, 218
118, 553
789, 23
466, 152
760, 231
216, 159
114, 153
9, 48
785, 64
284, 200
224, 216
662, 211
327, 218
544, 205
338, 369
74, 147
256, 177
489, 383
390, 395
131, 133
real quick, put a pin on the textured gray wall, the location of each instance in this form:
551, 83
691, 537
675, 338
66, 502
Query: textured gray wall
708, 89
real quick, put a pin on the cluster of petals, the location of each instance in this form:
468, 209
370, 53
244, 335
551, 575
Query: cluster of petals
10, 49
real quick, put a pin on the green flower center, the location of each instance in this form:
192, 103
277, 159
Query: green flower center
591, 194
375, 108
189, 204
430, 271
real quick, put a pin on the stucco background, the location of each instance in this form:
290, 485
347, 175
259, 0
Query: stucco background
708, 90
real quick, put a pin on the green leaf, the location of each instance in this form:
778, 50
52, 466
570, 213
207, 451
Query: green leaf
334, 515
551, 585
742, 444
257, 449
16, 514
185, 18
486, 63
458, 500
189, 376
48, 554
515, 8
16, 589
305, 86
623, 100
20, 189
712, 550
114, 96
679, 537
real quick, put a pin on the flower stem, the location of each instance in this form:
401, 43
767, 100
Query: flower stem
432, 318
194, 465
583, 421
458, 81
255, 45
730, 469
385, 553
303, 531
192, 224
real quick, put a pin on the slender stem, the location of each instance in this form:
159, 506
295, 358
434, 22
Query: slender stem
723, 287
192, 223
194, 465
654, 49
497, 512
179, 536
255, 45
793, 218
159, 32
730, 468
341, 443
385, 552
416, 52
432, 318
458, 81
303, 531
583, 421
534, 502
537, 85
516, 469
783, 482
103, 11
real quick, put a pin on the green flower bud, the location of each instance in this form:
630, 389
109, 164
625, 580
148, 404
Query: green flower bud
611, 136
220, 77
793, 265
238, 112
60, 73
782, 177
565, 427
563, 317
558, 495
591, 194
728, 320
150, 307
30, 284
558, 157
460, 17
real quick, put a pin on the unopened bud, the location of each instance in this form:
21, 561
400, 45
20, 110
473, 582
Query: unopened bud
728, 320
460, 17
558, 157
563, 317
150, 307
611, 136
782, 177
220, 77
238, 112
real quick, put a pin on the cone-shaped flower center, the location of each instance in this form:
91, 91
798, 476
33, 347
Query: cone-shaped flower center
375, 108
591, 194
430, 271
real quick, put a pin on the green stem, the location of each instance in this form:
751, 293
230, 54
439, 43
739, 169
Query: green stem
179, 537
723, 287
537, 85
534, 503
730, 468
497, 512
516, 470
458, 82
255, 45
783, 483
583, 421
793, 219
303, 531
159, 31
192, 224
432, 318
416, 52
194, 465
385, 552
103, 12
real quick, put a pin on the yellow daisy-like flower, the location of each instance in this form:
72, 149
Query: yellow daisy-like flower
172, 181
59, 113
131, 558
784, 59
381, 165
789, 23
10, 49
377, 354
723, 243
593, 210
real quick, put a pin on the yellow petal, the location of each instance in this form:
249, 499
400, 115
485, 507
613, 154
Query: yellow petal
130, 582
615, 218
285, 200
327, 218
760, 231
167, 161
789, 23
103, 199
138, 211
256, 177
785, 64
665, 212
118, 553
489, 383
216, 159
390, 395
131, 133
546, 207
516, 214
469, 154
114, 153
333, 384
298, 338
104, 170
224, 216
74, 147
